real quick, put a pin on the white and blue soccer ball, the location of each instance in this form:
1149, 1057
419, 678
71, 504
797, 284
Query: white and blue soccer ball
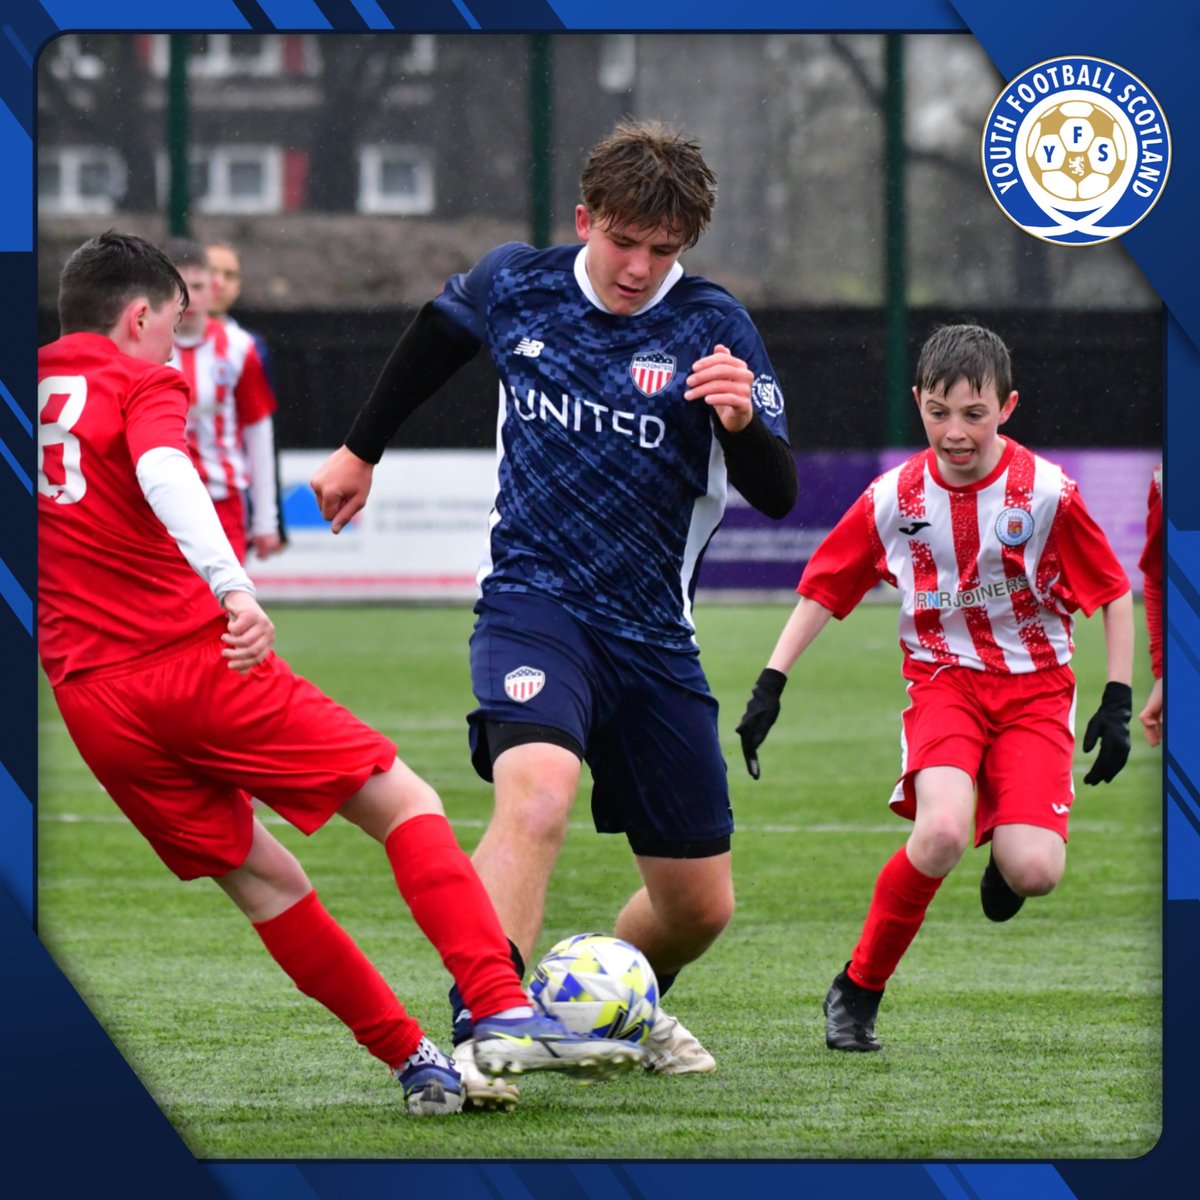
597, 985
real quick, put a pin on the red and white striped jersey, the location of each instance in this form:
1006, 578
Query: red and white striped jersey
229, 391
989, 573
1151, 566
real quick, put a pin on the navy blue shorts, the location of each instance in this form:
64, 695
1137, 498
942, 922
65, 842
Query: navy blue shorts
642, 718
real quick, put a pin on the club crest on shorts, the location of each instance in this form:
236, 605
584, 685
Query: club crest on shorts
524, 683
1076, 150
1014, 526
652, 370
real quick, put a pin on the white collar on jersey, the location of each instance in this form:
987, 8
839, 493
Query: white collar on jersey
673, 276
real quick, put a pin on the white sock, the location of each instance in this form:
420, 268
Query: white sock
520, 1012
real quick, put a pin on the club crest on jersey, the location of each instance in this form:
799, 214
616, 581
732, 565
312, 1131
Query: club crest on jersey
1014, 526
524, 683
222, 373
766, 395
652, 370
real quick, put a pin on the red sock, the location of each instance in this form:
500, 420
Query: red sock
452, 908
324, 962
902, 895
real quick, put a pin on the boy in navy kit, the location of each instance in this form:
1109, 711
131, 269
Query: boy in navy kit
631, 395
993, 552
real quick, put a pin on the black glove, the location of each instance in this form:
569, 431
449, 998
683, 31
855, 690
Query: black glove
762, 711
1111, 725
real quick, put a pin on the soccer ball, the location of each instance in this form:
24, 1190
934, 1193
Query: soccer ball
1076, 151
597, 985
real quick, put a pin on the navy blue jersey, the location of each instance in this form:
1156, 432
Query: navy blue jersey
609, 483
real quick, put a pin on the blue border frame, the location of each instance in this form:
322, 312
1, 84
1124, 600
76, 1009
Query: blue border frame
73, 1115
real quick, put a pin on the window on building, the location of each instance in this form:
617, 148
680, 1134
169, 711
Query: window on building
395, 179
419, 57
618, 62
76, 56
79, 179
220, 55
232, 179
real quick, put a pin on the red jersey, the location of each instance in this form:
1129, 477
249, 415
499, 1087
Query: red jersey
989, 573
1151, 566
229, 391
112, 583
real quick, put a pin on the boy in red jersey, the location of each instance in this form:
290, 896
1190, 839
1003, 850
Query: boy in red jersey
992, 550
177, 704
1151, 566
231, 428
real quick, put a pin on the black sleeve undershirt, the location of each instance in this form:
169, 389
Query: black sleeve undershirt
429, 351
761, 466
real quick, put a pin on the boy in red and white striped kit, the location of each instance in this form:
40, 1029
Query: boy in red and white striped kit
992, 551
231, 426
161, 663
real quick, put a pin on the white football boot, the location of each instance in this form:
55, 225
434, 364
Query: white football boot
672, 1049
480, 1092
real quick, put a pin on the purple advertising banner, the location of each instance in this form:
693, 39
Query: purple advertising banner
752, 553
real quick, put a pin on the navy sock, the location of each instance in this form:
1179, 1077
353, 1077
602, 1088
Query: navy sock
460, 1014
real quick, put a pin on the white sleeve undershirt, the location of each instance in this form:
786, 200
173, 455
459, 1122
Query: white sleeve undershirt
181, 502
259, 439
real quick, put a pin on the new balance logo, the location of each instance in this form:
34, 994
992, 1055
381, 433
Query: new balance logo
529, 347
914, 528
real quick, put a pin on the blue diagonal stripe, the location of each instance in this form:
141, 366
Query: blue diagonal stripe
950, 1183
466, 14
996, 1181
372, 14
144, 14
294, 14
16, 596
1180, 644
16, 842
17, 469
1176, 575
26, 423
11, 34
1185, 792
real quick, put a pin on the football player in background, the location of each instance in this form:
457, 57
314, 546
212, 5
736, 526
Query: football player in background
631, 394
161, 664
1151, 566
993, 551
231, 430
225, 266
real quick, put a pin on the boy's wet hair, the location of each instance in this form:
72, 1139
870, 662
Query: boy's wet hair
108, 271
969, 352
648, 175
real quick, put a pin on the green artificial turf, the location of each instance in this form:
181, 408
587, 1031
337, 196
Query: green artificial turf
1036, 1039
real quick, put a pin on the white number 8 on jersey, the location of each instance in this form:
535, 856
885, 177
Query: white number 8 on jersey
60, 404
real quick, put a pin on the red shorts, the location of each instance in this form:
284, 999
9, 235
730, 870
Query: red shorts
1013, 734
182, 743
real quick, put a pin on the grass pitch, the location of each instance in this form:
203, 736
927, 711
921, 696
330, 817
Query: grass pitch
1036, 1039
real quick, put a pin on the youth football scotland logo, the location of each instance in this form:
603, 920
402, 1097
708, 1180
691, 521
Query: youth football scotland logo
1076, 150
